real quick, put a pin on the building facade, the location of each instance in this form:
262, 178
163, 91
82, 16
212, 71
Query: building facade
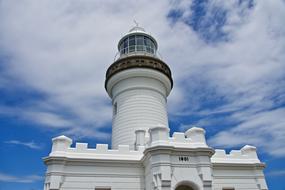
143, 156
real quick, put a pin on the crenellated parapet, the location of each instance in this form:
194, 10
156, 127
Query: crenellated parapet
61, 147
246, 155
156, 136
159, 136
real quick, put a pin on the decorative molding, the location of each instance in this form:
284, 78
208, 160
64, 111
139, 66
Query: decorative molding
138, 61
87, 161
240, 165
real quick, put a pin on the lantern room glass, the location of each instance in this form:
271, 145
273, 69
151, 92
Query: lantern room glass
137, 43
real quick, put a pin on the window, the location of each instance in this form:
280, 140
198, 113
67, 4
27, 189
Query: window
131, 48
139, 40
146, 41
137, 43
115, 109
132, 41
125, 47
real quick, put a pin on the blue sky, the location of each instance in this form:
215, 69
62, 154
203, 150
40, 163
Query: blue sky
227, 59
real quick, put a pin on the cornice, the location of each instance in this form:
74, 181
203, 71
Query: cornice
171, 150
138, 61
228, 165
87, 161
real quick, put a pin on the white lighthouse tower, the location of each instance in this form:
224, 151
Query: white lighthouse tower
138, 83
143, 155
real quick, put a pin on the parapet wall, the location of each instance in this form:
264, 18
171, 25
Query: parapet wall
245, 155
156, 136
159, 136
62, 147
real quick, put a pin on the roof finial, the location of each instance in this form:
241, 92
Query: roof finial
137, 27
136, 23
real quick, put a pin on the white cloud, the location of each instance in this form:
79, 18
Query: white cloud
244, 76
31, 144
263, 129
65, 125
23, 179
49, 119
45, 118
63, 48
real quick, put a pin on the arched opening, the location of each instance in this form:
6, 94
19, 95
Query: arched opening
184, 187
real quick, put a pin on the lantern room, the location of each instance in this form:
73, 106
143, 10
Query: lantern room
137, 42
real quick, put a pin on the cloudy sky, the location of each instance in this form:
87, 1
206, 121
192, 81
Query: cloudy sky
227, 59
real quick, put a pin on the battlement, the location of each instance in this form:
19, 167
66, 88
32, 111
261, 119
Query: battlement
245, 155
193, 137
159, 136
62, 147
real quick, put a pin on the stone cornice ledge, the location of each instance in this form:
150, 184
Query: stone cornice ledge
240, 165
106, 160
160, 149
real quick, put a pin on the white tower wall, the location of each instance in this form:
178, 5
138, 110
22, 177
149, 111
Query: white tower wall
139, 102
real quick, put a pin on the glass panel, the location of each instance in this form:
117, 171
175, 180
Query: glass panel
132, 42
139, 40
144, 40
148, 49
140, 48
137, 43
151, 44
147, 41
126, 43
121, 47
131, 48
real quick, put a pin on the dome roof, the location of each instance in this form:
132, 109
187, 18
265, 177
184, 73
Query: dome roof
137, 29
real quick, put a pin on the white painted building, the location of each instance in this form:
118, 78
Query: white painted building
143, 155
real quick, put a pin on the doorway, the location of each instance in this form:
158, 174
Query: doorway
184, 187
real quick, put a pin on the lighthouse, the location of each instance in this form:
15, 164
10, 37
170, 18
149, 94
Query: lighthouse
144, 155
138, 83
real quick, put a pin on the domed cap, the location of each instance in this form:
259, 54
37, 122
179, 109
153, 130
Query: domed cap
137, 42
137, 29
